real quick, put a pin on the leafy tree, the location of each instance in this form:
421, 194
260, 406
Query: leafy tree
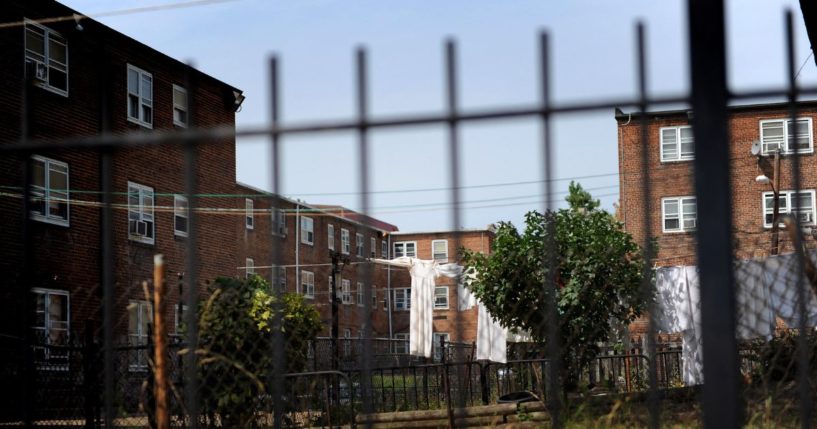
598, 271
236, 346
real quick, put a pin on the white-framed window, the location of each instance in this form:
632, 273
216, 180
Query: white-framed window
249, 268
359, 244
436, 348
49, 191
345, 245
374, 298
307, 230
401, 343
279, 222
178, 320
441, 298
347, 341
439, 250
180, 215
140, 96
140, 315
279, 275
329, 288
402, 299
46, 58
679, 214
373, 247
346, 291
141, 226
330, 236
800, 205
180, 106
384, 249
781, 134
249, 213
405, 248
677, 144
52, 326
360, 294
308, 284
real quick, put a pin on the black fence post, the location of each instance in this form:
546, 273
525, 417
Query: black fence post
483, 383
89, 375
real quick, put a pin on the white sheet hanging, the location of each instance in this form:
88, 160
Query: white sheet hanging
491, 338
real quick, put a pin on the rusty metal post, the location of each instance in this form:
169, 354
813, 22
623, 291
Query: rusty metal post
160, 341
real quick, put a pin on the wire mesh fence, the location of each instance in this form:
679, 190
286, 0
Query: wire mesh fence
696, 303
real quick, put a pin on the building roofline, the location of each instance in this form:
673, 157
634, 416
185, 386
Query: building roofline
328, 210
622, 116
445, 231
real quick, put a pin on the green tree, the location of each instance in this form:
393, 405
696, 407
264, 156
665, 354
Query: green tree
236, 345
598, 271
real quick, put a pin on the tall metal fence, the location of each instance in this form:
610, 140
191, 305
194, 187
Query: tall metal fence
105, 378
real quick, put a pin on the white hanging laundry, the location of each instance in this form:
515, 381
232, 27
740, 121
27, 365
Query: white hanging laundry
678, 309
692, 358
782, 279
755, 315
491, 338
421, 322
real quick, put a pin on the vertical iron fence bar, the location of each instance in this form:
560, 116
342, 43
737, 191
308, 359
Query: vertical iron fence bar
454, 165
24, 288
191, 381
707, 46
364, 270
278, 345
653, 402
553, 352
803, 294
108, 284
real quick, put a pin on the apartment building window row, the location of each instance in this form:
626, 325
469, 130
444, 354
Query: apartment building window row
180, 106
307, 230
140, 315
405, 248
346, 291
279, 275
799, 204
49, 190
330, 236
677, 144
782, 135
141, 225
46, 56
359, 245
439, 250
402, 299
373, 247
308, 284
384, 249
249, 213
279, 222
180, 215
679, 214
441, 298
345, 244
51, 324
140, 96
249, 268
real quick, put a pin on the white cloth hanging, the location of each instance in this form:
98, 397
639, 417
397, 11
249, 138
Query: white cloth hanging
421, 322
678, 309
491, 338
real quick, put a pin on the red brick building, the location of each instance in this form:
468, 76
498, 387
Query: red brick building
673, 211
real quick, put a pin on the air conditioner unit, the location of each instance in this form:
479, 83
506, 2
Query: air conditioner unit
36, 70
132, 226
805, 218
141, 228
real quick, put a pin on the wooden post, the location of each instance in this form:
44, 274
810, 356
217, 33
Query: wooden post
160, 386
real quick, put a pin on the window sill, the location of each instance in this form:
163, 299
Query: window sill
51, 221
675, 161
51, 89
141, 240
686, 231
140, 123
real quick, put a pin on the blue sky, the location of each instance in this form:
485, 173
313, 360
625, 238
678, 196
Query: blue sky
593, 58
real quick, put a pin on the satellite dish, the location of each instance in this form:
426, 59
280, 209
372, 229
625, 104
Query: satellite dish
756, 147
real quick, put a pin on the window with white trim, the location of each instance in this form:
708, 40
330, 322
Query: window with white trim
249, 213
141, 226
779, 134
439, 250
679, 214
308, 284
307, 230
180, 215
347, 341
51, 326
677, 144
441, 298
359, 244
360, 294
279, 275
46, 53
279, 222
330, 236
49, 190
401, 345
346, 291
436, 348
140, 315
405, 248
802, 206
180, 106
345, 245
384, 249
249, 268
402, 299
140, 96
329, 288
373, 247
